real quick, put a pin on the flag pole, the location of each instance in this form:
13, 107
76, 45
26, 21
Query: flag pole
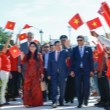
17, 40
41, 34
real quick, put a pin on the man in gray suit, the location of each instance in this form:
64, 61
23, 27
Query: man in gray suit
24, 48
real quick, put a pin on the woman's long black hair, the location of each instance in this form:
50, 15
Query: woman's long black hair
35, 53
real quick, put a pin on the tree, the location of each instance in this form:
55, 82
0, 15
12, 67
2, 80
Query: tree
3, 37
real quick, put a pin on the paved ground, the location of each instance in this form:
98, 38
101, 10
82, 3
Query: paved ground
17, 105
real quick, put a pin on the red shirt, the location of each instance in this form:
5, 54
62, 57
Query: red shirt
0, 62
108, 69
100, 61
5, 62
95, 55
14, 62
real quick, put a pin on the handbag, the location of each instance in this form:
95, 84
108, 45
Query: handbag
43, 86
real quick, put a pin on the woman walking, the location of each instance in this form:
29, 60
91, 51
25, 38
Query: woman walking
33, 74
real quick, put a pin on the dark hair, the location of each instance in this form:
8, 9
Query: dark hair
56, 42
63, 37
35, 53
46, 44
80, 36
51, 45
30, 33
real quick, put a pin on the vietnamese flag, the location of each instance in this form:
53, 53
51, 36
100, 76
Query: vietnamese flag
94, 23
36, 41
10, 25
26, 26
14, 51
76, 21
106, 8
105, 12
23, 38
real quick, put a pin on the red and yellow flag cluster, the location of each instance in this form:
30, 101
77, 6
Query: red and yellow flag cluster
11, 25
76, 21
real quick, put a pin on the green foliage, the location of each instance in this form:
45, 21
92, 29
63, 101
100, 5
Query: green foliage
4, 37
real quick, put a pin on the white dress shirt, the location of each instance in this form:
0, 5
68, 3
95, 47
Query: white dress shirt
57, 55
46, 60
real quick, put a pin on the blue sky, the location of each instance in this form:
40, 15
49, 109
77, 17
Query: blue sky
51, 16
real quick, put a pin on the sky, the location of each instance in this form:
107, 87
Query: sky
51, 16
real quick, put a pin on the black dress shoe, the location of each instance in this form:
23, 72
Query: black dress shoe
14, 99
85, 102
61, 104
72, 101
79, 106
66, 101
4, 104
100, 104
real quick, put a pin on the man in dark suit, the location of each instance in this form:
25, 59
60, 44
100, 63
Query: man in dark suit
82, 69
47, 94
58, 72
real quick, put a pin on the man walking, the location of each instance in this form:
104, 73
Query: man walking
82, 68
58, 72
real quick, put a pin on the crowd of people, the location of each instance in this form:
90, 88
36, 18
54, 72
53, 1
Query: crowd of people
44, 72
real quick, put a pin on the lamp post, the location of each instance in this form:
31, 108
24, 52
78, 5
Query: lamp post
69, 32
41, 36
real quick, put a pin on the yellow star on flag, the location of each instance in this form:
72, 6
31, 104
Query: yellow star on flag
94, 24
22, 36
14, 50
11, 25
76, 21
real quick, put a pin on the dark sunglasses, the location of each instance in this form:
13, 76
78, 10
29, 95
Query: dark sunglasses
79, 40
46, 47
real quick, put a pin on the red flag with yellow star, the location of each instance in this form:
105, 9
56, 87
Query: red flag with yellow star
106, 8
105, 12
26, 26
23, 38
76, 21
10, 25
36, 41
14, 51
94, 23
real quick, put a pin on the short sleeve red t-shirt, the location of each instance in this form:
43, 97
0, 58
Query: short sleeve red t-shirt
0, 63
14, 62
95, 55
5, 62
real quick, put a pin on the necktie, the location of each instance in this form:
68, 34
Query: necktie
81, 54
81, 51
58, 53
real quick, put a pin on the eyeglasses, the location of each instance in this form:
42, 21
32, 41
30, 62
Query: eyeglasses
79, 40
32, 46
46, 47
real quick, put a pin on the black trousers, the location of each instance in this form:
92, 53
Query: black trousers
13, 85
70, 89
48, 82
103, 88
